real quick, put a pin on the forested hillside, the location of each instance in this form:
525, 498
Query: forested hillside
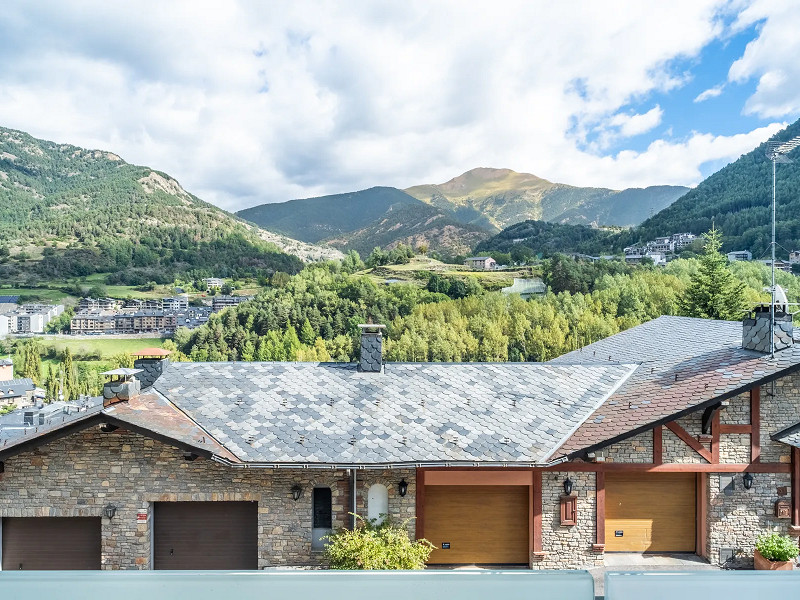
531, 238
68, 211
738, 199
315, 314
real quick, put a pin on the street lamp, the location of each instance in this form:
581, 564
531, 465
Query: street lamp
776, 152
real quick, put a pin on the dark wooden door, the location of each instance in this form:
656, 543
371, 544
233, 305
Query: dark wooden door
651, 512
205, 535
482, 524
51, 543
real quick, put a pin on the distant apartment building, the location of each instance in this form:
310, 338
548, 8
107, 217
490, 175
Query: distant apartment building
175, 303
662, 245
28, 318
740, 255
92, 322
681, 240
219, 303
192, 317
781, 265
481, 263
99, 304
112, 322
794, 257
213, 283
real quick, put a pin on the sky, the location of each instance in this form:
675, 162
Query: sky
246, 102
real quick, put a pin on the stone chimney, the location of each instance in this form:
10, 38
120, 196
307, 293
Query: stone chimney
371, 356
6, 369
121, 387
756, 329
152, 362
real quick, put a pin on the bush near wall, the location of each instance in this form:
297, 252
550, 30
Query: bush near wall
373, 546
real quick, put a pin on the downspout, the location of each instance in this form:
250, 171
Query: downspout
353, 498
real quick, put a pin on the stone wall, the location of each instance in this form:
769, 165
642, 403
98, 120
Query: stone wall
777, 414
80, 474
568, 547
638, 449
675, 449
736, 516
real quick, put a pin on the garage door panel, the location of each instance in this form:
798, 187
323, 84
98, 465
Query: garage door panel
656, 512
482, 524
205, 535
51, 543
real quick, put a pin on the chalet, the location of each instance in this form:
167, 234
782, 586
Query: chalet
481, 263
679, 435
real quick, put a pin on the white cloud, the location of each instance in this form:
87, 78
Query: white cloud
771, 58
252, 102
712, 92
630, 125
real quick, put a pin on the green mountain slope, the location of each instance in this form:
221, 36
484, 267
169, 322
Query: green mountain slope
379, 216
502, 197
316, 219
69, 211
738, 200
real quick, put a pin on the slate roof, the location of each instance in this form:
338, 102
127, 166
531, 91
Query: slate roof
789, 436
15, 388
412, 413
686, 363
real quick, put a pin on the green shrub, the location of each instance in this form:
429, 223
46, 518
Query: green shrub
774, 546
371, 546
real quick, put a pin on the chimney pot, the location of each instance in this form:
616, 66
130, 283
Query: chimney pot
371, 355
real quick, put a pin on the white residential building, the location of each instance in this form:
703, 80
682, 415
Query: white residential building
740, 255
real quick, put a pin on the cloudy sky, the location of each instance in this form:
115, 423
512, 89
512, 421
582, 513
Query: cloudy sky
251, 102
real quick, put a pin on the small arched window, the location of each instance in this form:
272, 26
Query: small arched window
377, 503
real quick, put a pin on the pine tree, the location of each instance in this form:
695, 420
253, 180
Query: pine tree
31, 361
51, 384
307, 335
70, 385
714, 292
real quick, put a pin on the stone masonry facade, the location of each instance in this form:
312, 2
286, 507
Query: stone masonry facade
78, 475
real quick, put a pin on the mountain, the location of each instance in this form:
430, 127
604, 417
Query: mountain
738, 200
502, 197
379, 216
68, 211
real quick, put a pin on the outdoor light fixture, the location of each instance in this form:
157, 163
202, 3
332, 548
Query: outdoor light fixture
109, 511
297, 491
402, 487
747, 480
567, 486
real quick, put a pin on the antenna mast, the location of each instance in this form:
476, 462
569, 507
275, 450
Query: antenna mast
776, 152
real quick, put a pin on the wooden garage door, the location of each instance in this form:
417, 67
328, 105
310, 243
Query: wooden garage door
653, 512
482, 524
205, 535
51, 543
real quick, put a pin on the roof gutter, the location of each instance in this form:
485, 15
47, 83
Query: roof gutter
375, 466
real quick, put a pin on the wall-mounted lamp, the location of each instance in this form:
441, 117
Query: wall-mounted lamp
567, 486
402, 487
747, 480
297, 491
109, 511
